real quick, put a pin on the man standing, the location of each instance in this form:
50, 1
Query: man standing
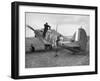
46, 27
59, 39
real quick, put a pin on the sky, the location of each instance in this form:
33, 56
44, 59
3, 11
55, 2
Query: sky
66, 24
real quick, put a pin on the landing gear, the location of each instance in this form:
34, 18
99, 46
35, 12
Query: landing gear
32, 48
48, 47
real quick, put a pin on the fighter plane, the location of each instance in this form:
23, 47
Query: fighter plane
77, 43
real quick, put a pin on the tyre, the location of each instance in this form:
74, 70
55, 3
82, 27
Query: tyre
32, 48
48, 47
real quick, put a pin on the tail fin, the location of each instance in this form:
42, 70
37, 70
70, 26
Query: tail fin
82, 38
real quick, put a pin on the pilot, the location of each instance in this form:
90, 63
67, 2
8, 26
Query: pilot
46, 27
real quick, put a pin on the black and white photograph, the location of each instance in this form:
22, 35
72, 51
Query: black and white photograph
54, 40
50, 40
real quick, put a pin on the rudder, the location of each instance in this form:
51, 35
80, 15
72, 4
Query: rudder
82, 38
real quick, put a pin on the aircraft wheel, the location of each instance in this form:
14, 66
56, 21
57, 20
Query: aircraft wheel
50, 47
47, 47
32, 48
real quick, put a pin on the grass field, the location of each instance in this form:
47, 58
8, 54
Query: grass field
51, 58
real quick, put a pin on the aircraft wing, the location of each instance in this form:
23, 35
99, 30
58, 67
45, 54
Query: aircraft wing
39, 35
69, 44
72, 46
44, 41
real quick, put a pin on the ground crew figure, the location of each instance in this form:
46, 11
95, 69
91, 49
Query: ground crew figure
58, 39
46, 27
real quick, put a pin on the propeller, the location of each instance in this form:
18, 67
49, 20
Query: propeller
30, 27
